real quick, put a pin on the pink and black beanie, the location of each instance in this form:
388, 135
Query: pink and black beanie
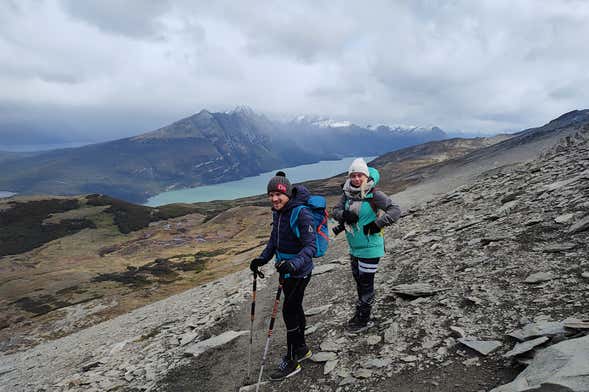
279, 183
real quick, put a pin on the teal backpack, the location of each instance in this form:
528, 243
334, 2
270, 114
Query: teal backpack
317, 205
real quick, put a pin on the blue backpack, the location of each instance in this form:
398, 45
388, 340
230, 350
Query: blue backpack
317, 205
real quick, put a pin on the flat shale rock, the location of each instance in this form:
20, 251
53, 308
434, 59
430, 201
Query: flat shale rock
324, 356
416, 289
323, 268
524, 347
484, 347
580, 226
329, 366
555, 248
200, 347
564, 218
317, 310
542, 328
378, 363
539, 277
562, 367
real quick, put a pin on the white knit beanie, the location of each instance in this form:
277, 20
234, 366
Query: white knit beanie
358, 166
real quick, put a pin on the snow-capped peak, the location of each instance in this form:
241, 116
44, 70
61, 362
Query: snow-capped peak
322, 122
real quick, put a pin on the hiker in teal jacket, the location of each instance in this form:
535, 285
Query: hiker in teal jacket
364, 211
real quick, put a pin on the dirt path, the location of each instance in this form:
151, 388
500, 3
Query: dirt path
225, 368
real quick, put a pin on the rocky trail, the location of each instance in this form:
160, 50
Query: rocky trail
474, 286
483, 284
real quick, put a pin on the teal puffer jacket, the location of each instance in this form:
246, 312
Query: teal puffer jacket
360, 244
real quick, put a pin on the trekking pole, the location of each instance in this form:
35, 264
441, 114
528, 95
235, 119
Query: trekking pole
272, 319
253, 312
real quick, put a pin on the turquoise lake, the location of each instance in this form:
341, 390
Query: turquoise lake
250, 186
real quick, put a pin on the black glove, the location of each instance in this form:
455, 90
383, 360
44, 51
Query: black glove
285, 267
349, 217
338, 229
255, 264
371, 228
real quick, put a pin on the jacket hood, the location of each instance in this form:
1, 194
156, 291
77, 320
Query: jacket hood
374, 174
300, 195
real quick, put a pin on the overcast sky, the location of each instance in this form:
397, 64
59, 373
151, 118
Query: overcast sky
101, 69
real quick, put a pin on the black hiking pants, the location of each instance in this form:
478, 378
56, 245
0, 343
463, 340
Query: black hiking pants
363, 271
293, 314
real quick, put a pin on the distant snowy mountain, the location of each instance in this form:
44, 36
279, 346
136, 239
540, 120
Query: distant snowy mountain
325, 122
344, 138
204, 148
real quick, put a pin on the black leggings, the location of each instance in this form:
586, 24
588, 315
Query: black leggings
363, 271
293, 313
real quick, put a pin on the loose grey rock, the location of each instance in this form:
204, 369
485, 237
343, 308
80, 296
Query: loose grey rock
539, 277
580, 226
577, 324
378, 363
524, 347
484, 347
347, 381
373, 340
409, 235
459, 332
188, 338
323, 268
329, 345
415, 289
329, 366
554, 248
585, 275
542, 328
391, 334
507, 207
200, 347
564, 218
317, 310
309, 330
363, 373
409, 358
324, 356
562, 367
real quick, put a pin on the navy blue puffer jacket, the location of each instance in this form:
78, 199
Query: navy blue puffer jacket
283, 241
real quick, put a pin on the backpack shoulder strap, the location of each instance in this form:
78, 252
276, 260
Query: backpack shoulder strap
294, 217
372, 203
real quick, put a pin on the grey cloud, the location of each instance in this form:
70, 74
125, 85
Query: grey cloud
114, 68
335, 92
134, 18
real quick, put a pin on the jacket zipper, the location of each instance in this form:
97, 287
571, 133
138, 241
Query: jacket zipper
278, 232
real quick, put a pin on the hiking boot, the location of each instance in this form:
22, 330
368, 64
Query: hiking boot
286, 368
354, 320
358, 324
302, 353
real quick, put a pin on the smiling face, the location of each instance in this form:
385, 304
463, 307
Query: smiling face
357, 179
278, 199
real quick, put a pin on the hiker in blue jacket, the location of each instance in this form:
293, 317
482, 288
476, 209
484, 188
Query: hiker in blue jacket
364, 211
294, 263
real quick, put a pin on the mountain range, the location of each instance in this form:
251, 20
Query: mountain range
205, 148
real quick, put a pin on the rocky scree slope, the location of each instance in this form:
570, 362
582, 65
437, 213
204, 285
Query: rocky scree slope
493, 256
484, 260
